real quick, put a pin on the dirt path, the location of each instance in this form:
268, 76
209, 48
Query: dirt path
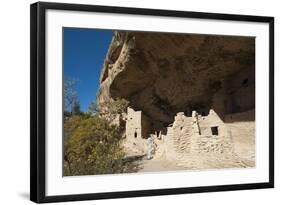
156, 165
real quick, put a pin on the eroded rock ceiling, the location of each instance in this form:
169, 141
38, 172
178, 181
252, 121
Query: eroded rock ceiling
162, 74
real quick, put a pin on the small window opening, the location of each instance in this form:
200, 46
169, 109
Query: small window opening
245, 82
136, 134
215, 130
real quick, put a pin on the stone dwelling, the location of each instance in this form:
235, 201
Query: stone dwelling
193, 142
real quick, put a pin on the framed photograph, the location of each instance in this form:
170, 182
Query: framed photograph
129, 102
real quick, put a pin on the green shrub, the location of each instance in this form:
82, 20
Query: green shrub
110, 109
91, 146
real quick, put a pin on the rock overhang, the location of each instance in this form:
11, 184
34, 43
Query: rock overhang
164, 73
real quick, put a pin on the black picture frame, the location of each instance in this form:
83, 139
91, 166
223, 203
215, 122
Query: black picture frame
38, 103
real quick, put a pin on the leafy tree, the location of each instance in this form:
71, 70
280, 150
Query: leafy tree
92, 146
112, 108
118, 106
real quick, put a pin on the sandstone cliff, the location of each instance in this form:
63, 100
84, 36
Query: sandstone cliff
164, 73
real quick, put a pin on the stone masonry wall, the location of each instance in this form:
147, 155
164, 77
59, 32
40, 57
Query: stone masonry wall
190, 142
137, 126
133, 123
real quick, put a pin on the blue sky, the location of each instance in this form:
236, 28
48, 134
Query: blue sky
84, 53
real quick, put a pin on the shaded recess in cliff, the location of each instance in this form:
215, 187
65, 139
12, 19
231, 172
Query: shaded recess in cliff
165, 73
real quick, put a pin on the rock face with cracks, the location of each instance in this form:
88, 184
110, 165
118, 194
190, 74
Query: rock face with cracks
162, 73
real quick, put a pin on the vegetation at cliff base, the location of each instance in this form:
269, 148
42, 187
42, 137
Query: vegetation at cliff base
92, 143
91, 146
109, 109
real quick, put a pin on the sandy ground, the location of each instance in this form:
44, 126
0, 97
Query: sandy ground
156, 165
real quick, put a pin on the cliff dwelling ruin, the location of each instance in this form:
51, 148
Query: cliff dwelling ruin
193, 94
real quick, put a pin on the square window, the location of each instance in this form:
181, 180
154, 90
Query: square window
215, 130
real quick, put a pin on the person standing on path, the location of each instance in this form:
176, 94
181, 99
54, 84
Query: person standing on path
149, 146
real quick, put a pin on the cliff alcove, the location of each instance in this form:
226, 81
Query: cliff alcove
166, 73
